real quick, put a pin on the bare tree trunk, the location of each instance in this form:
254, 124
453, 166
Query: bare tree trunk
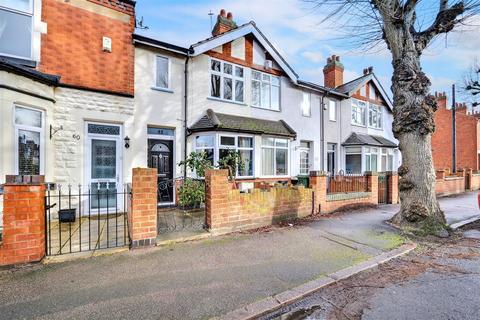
413, 126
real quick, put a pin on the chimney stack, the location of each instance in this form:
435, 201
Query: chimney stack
224, 23
333, 72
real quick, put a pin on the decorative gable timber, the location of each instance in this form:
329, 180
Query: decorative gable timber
250, 32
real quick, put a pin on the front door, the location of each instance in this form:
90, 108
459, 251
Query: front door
104, 163
160, 156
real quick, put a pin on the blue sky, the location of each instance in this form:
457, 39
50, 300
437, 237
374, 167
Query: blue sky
294, 29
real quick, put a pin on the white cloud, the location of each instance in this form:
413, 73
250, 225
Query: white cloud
313, 56
349, 75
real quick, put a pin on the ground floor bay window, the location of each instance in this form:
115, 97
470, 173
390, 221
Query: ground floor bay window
274, 156
359, 159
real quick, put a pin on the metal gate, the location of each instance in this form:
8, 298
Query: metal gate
86, 219
383, 184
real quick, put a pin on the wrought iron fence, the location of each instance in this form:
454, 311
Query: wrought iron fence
346, 183
84, 219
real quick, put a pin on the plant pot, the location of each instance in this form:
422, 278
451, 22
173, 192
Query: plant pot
67, 215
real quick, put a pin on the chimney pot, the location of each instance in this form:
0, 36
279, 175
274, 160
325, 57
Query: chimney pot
223, 12
370, 69
229, 16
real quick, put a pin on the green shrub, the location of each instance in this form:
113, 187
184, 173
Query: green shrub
191, 193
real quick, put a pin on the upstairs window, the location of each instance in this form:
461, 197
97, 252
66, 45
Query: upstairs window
306, 105
16, 28
375, 116
226, 81
332, 110
265, 91
358, 112
162, 80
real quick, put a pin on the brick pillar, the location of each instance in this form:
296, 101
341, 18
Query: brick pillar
372, 181
216, 190
143, 212
23, 220
468, 179
392, 196
440, 174
318, 183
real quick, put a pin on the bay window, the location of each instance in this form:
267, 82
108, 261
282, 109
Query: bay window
226, 81
29, 137
242, 145
353, 159
16, 28
358, 112
265, 91
375, 116
206, 143
387, 160
274, 157
371, 159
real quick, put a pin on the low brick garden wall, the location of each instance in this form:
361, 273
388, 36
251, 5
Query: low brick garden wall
446, 185
230, 210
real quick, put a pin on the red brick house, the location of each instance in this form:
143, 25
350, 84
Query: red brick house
467, 141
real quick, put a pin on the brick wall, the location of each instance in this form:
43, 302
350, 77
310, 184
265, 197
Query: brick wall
142, 215
229, 210
72, 47
446, 184
467, 132
392, 181
24, 222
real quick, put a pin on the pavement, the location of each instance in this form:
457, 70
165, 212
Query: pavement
203, 279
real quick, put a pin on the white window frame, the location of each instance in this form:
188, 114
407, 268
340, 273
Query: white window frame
368, 152
363, 107
373, 108
28, 14
275, 147
332, 110
169, 85
236, 148
40, 130
270, 83
388, 154
349, 152
222, 77
306, 104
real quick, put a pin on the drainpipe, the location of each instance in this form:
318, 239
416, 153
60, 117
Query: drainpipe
185, 110
454, 132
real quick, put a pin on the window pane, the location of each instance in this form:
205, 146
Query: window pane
162, 72
353, 163
306, 104
28, 152
247, 159
267, 161
215, 66
353, 150
28, 117
374, 162
227, 88
215, 79
20, 5
209, 155
304, 162
161, 131
306, 144
103, 129
281, 143
204, 141
244, 142
265, 95
281, 161
390, 162
275, 104
15, 34
368, 163
275, 81
227, 141
104, 159
239, 72
238, 91
265, 77
384, 163
227, 68
268, 141
255, 93
332, 110
256, 75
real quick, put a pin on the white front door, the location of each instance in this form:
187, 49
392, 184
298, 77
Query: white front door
104, 167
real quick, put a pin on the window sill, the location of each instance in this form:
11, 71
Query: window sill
227, 101
266, 109
359, 125
332, 120
162, 89
305, 116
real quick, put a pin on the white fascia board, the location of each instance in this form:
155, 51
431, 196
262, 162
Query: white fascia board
239, 32
383, 92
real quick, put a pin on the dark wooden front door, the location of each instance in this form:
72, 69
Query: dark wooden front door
160, 156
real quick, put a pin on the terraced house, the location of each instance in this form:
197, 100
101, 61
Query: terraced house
234, 91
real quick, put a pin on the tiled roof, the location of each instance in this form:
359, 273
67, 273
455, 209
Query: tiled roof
213, 121
28, 72
358, 139
350, 86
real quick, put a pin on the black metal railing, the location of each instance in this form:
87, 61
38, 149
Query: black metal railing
85, 219
346, 183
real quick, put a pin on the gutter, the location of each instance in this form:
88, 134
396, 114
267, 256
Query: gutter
185, 110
